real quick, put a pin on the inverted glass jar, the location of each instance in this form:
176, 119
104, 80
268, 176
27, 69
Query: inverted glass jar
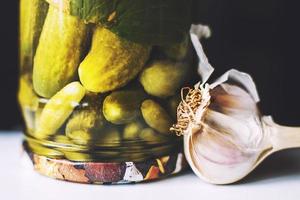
100, 84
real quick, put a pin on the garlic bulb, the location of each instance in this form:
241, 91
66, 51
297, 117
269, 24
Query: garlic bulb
225, 136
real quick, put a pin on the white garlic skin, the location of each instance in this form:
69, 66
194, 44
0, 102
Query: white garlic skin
225, 145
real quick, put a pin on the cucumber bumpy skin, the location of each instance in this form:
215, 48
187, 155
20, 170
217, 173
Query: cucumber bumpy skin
163, 78
58, 53
85, 125
132, 130
156, 116
32, 17
112, 62
122, 107
58, 109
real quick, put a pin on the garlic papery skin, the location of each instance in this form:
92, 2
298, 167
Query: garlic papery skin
224, 144
231, 138
225, 136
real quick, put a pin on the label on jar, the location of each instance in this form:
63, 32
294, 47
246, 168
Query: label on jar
132, 173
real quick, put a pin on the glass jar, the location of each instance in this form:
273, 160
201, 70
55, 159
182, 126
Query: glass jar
100, 84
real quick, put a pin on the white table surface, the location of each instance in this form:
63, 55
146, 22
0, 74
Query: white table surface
277, 178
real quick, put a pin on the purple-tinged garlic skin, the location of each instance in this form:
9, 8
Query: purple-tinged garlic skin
225, 136
224, 146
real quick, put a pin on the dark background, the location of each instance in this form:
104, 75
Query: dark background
259, 37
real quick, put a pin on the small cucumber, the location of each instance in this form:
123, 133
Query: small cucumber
58, 109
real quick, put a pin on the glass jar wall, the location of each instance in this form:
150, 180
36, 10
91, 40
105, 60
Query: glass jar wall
100, 84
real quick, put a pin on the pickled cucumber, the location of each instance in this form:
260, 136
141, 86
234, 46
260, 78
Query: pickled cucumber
78, 156
58, 109
80, 137
112, 62
163, 78
85, 125
58, 53
151, 136
44, 151
156, 117
122, 107
109, 137
32, 17
73, 153
132, 130
62, 140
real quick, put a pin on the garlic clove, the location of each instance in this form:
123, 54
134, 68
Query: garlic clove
231, 99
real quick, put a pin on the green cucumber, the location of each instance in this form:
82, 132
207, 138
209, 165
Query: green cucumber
59, 51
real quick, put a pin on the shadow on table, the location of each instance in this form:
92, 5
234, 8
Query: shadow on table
281, 164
